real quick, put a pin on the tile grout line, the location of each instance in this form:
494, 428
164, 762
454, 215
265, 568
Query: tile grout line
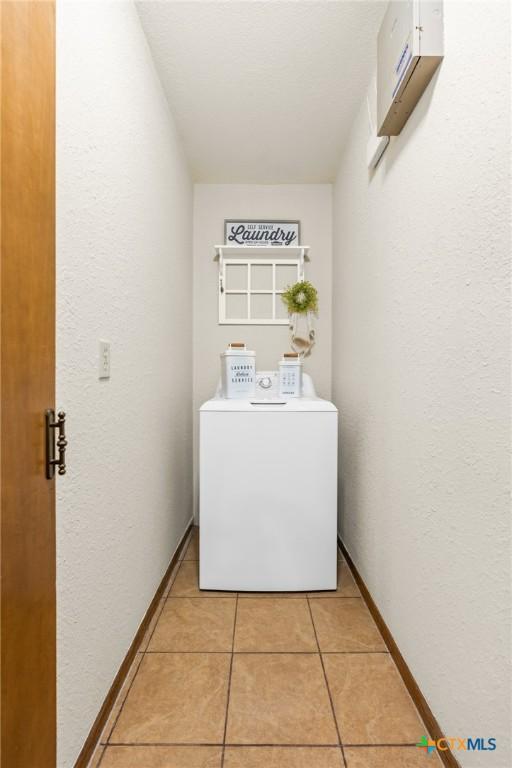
234, 745
105, 743
206, 596
280, 653
141, 654
138, 661
327, 686
229, 686
401, 745
334, 597
213, 595
103, 750
172, 579
394, 662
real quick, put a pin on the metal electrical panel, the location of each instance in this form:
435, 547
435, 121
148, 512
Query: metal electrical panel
409, 50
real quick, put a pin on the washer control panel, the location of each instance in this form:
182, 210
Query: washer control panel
267, 384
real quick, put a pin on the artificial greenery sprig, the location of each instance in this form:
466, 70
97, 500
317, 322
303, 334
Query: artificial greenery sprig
301, 298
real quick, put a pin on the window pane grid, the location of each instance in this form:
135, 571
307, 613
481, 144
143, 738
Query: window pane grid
258, 312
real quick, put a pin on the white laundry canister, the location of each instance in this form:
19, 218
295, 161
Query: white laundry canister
238, 371
290, 375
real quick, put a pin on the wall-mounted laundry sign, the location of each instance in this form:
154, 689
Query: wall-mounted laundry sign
239, 232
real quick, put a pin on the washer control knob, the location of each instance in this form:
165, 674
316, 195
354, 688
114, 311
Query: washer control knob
265, 382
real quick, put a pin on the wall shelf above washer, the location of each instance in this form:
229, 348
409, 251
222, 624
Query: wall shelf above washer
261, 252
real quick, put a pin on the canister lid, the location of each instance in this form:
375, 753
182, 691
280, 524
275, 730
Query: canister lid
290, 358
237, 349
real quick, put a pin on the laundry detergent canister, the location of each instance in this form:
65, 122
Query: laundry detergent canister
238, 371
290, 375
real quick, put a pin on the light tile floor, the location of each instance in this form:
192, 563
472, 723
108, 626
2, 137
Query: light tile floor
292, 680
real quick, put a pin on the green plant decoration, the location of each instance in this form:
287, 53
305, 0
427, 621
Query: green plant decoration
301, 298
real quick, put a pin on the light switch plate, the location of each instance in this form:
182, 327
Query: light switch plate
104, 361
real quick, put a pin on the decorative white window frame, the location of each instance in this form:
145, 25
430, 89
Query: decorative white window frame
249, 292
248, 256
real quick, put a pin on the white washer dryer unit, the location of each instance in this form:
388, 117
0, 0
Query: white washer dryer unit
268, 493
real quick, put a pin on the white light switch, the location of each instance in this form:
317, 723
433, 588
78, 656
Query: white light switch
104, 363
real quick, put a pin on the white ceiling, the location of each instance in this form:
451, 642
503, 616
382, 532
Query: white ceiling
263, 91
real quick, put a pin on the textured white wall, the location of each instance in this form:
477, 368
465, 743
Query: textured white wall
421, 376
124, 273
312, 204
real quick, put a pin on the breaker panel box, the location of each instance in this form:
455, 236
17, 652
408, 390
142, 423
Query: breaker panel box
409, 50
